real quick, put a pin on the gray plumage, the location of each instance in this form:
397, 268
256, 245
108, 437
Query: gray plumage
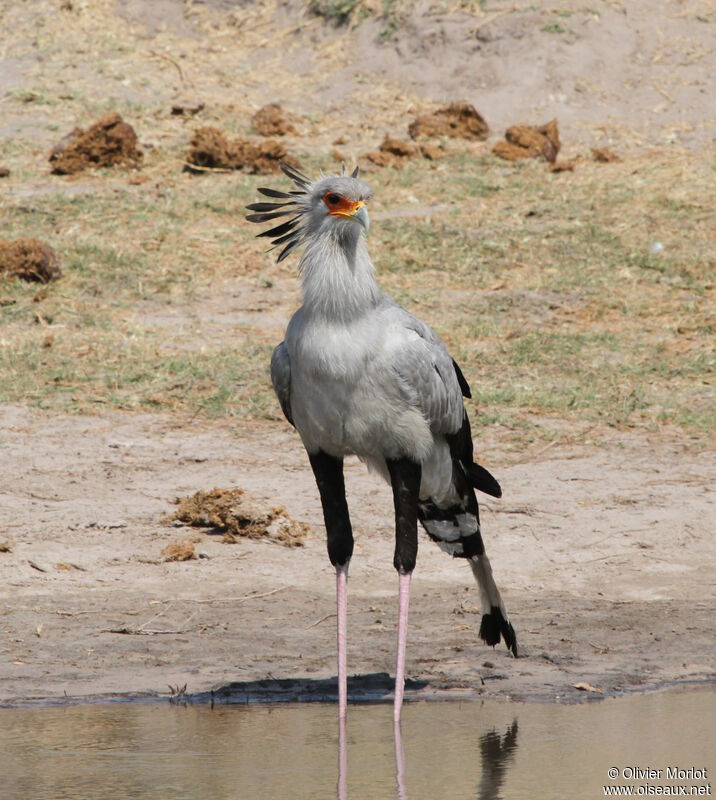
357, 374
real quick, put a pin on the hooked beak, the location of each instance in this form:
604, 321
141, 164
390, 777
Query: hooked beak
361, 216
357, 211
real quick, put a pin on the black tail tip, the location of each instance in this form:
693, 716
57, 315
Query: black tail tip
494, 626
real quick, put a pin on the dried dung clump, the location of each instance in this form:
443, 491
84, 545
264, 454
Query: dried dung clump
4, 172
431, 151
179, 551
107, 143
530, 141
395, 152
458, 120
238, 514
381, 159
29, 259
398, 147
210, 148
604, 155
272, 120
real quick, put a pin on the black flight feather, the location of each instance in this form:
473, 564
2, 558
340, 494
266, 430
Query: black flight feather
481, 479
464, 385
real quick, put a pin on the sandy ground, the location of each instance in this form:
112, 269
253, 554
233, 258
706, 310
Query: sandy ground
604, 555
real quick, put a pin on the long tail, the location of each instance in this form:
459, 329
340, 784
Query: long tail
494, 614
456, 530
454, 525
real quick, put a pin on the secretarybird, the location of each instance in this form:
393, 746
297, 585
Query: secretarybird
357, 374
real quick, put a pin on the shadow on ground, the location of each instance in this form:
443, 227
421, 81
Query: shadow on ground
369, 688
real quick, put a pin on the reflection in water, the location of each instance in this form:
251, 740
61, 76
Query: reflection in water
342, 760
456, 750
399, 761
496, 753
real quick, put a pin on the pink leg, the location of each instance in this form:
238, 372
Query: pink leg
341, 605
403, 598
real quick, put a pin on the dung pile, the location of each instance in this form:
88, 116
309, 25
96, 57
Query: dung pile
530, 141
238, 514
394, 152
179, 551
458, 121
109, 142
211, 148
29, 259
272, 120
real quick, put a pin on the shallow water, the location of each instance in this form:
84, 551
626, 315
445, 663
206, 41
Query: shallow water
451, 750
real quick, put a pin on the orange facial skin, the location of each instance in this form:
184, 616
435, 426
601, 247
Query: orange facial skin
339, 206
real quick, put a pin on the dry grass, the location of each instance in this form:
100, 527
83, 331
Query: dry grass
546, 287
543, 286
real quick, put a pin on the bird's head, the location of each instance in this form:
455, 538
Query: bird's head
331, 205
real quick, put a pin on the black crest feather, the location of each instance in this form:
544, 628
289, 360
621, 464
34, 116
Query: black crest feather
272, 192
288, 233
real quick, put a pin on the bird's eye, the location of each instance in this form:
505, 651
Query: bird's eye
332, 199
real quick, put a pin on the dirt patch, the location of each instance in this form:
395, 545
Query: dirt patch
211, 148
458, 121
530, 141
108, 142
395, 152
29, 259
239, 515
272, 120
179, 551
604, 155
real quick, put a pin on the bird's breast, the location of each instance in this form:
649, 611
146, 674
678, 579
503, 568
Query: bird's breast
334, 352
346, 398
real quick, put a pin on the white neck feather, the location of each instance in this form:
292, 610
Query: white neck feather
338, 276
